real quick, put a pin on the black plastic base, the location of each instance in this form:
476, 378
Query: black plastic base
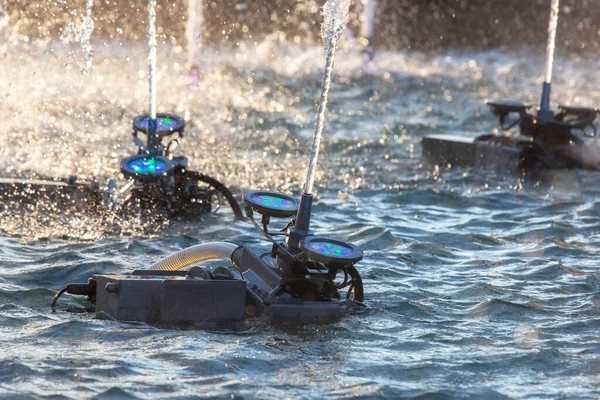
507, 153
225, 296
170, 301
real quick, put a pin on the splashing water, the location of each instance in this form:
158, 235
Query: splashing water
335, 13
552, 26
87, 26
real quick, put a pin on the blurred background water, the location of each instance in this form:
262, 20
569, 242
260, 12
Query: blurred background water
480, 284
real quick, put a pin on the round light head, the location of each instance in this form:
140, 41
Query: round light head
146, 167
272, 204
579, 110
166, 124
507, 106
330, 251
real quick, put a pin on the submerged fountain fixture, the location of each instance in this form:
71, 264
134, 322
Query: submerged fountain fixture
295, 280
156, 179
547, 139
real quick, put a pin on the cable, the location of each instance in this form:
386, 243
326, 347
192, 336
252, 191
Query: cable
357, 285
281, 247
53, 305
233, 203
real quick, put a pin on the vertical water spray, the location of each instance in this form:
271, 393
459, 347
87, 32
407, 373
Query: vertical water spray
87, 26
367, 32
193, 30
4, 18
152, 74
552, 26
335, 13
367, 28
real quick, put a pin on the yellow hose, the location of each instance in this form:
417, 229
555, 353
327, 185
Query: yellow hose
195, 254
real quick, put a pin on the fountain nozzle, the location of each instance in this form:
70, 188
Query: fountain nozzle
301, 228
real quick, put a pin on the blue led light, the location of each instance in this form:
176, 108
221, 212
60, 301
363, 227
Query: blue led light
332, 249
275, 202
161, 123
146, 165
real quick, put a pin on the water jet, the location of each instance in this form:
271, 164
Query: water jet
547, 139
156, 178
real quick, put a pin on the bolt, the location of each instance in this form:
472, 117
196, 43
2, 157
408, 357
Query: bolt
112, 287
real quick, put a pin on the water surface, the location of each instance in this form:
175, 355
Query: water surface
479, 284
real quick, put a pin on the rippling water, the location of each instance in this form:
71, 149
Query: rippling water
479, 284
